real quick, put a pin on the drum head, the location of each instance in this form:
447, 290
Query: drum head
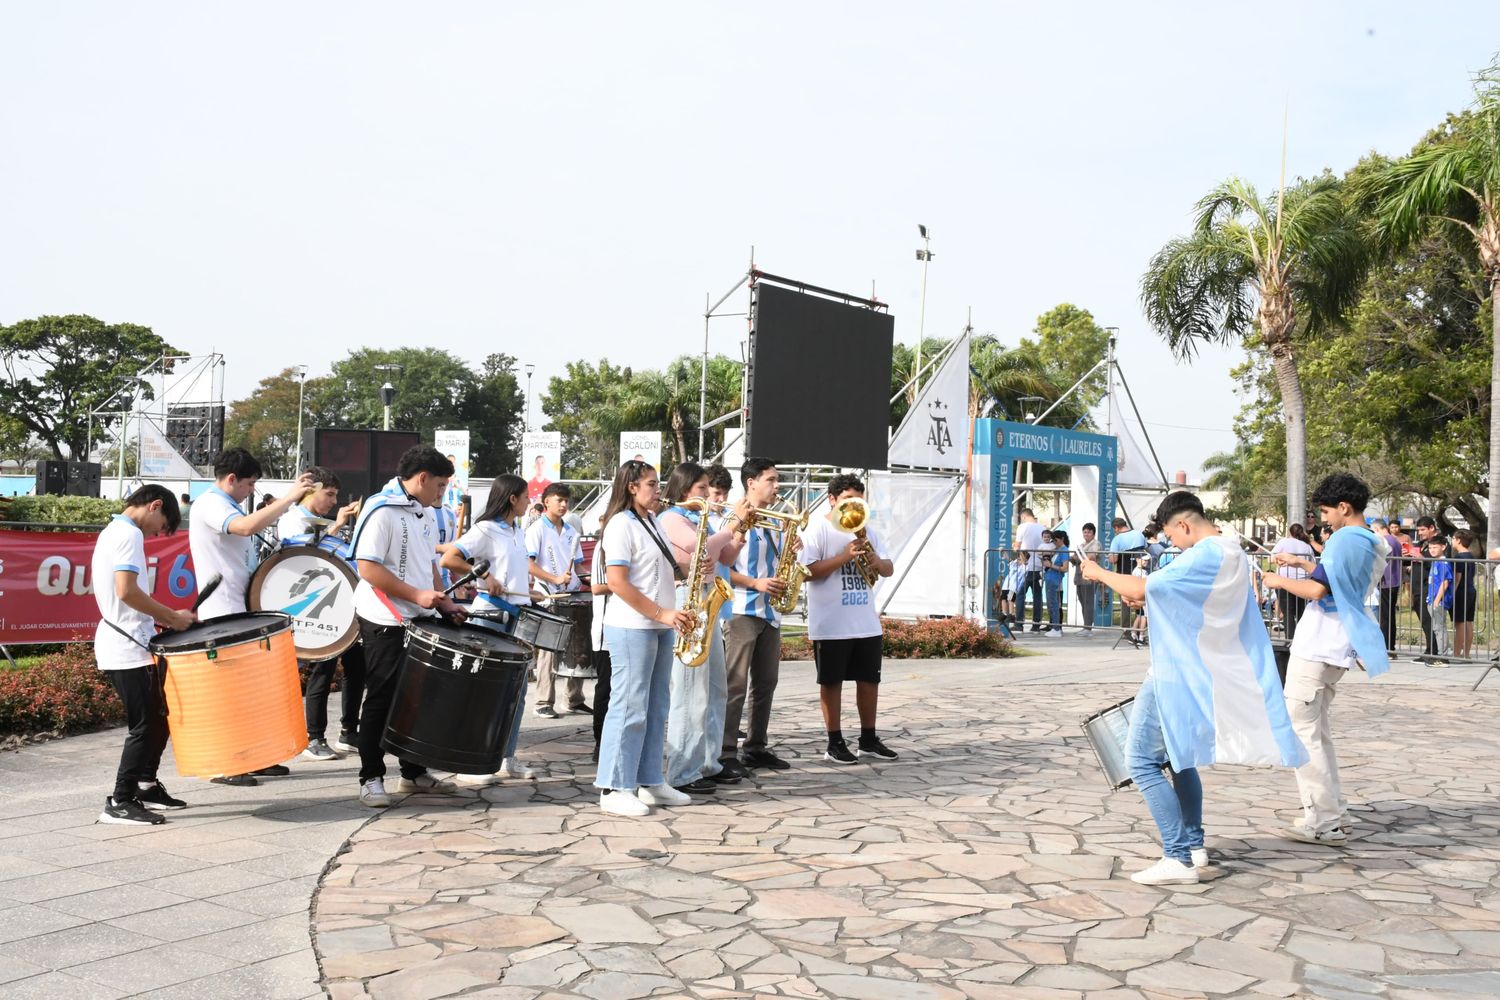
228, 630
316, 589
470, 639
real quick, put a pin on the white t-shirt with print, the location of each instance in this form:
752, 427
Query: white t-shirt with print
401, 535
504, 546
120, 548
555, 550
841, 605
216, 551
629, 542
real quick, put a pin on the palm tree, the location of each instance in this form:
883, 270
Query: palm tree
1254, 271
1008, 375
1454, 178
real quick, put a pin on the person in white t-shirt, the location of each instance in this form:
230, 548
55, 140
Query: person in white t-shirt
843, 623
395, 553
640, 623
554, 546
496, 538
222, 540
1029, 545
127, 613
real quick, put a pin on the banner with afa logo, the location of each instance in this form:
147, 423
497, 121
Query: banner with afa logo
935, 432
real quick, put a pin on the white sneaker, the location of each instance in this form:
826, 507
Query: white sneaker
1200, 857
662, 795
1345, 824
1055, 634
1167, 871
620, 803
372, 794
1330, 838
474, 780
512, 768
426, 783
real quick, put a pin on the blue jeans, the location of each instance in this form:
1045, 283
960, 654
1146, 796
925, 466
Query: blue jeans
515, 727
1054, 601
630, 748
695, 723
1177, 806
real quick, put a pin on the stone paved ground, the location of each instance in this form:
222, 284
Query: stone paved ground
989, 862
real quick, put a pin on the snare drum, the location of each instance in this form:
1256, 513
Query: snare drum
456, 697
234, 704
315, 586
578, 661
1108, 732
543, 629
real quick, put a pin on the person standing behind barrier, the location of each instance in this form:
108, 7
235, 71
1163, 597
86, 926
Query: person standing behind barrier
126, 626
496, 538
1390, 582
641, 622
1056, 570
555, 550
1465, 594
1029, 546
1294, 544
1087, 590
1426, 530
1439, 593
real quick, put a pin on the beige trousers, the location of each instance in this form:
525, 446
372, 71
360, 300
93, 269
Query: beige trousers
1309, 698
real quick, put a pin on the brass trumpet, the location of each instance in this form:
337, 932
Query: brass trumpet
850, 514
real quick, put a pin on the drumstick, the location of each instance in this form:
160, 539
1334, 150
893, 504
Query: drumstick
208, 588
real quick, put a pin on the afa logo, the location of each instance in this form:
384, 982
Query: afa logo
938, 434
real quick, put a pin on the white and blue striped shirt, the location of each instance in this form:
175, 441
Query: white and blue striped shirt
757, 559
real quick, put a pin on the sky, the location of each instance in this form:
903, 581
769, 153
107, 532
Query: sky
285, 182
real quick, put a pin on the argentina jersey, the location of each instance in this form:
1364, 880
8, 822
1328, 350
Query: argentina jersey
757, 559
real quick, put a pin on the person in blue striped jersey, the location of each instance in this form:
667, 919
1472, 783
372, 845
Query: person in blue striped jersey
753, 635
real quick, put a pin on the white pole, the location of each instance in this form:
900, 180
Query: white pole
922, 310
297, 441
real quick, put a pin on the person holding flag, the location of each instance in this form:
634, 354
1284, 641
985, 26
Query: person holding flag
1212, 695
1334, 633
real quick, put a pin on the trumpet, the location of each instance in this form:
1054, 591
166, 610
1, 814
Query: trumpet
782, 518
850, 514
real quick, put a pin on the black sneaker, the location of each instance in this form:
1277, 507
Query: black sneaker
733, 770
156, 797
237, 780
545, 712
870, 746
347, 742
582, 708
725, 777
128, 813
838, 752
701, 786
274, 771
763, 758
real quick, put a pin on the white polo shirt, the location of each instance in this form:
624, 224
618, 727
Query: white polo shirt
632, 543
556, 550
400, 534
216, 551
121, 547
504, 546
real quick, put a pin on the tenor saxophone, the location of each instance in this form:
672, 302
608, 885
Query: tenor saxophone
706, 593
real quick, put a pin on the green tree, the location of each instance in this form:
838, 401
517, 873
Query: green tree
1262, 267
493, 417
59, 367
433, 389
903, 360
265, 422
1068, 345
572, 404
1454, 179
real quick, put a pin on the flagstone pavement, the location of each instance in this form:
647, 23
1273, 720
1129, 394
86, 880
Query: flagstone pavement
990, 861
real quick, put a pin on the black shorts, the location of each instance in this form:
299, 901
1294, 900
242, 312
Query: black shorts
1464, 605
841, 660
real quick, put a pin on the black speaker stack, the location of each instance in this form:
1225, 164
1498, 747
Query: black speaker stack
73, 479
364, 460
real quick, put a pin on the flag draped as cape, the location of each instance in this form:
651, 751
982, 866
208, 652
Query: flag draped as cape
1354, 560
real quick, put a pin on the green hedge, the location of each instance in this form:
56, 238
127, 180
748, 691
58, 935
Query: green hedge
48, 510
925, 639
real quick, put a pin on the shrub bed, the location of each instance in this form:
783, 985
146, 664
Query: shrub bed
61, 693
51, 513
924, 639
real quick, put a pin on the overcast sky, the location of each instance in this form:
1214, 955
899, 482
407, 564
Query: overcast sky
284, 182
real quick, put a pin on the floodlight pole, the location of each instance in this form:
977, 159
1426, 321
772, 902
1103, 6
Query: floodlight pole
925, 256
297, 441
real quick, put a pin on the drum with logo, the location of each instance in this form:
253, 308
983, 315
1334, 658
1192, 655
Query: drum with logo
234, 704
314, 585
578, 660
455, 700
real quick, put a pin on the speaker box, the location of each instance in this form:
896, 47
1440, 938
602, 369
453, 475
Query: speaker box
83, 479
364, 460
51, 479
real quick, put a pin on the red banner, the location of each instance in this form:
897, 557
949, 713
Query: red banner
46, 594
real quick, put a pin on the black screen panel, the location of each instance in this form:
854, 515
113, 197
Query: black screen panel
820, 381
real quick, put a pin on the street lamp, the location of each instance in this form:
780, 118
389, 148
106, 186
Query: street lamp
388, 392
925, 256
526, 420
301, 371
1029, 412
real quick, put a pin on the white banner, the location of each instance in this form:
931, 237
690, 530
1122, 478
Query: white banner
935, 432
901, 502
541, 461
159, 460
454, 444
642, 446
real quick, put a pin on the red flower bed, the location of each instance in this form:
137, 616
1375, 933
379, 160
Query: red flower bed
925, 639
63, 693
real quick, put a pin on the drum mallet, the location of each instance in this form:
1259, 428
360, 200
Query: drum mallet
479, 570
208, 588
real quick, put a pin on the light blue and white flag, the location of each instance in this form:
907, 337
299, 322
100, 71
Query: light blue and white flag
1217, 690
1354, 561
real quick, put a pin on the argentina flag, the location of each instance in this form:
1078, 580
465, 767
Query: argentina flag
1217, 691
1354, 561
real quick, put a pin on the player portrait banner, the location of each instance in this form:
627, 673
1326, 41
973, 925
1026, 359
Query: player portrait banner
541, 461
641, 446
454, 444
46, 590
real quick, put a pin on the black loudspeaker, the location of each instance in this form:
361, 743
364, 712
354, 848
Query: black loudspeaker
83, 479
51, 479
364, 460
